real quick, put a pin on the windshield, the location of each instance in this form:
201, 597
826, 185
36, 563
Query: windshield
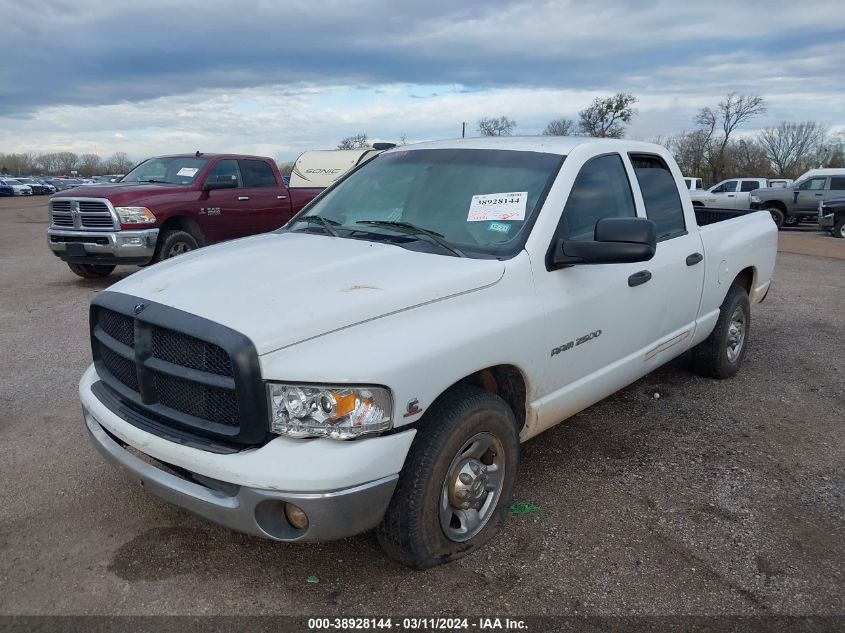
174, 170
481, 203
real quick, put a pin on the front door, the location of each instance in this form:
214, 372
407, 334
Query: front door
264, 203
809, 193
724, 195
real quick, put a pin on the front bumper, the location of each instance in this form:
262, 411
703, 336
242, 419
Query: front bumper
827, 221
343, 487
103, 247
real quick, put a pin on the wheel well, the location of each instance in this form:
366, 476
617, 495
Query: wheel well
697, 204
776, 204
745, 279
507, 382
181, 223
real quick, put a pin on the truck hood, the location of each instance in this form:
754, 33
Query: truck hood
774, 192
280, 289
119, 192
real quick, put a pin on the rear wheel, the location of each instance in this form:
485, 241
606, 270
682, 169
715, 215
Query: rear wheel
91, 271
720, 354
455, 488
839, 229
791, 220
174, 243
777, 215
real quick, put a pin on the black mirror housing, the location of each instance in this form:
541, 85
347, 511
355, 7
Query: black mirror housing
617, 241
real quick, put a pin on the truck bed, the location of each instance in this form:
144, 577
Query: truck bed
711, 215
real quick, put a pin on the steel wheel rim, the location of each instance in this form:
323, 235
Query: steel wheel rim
736, 334
179, 248
472, 487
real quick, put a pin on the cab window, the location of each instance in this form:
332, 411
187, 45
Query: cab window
812, 184
601, 190
224, 170
660, 194
257, 174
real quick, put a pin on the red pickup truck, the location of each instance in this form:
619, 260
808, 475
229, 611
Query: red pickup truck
167, 206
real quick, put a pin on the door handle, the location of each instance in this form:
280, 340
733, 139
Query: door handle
243, 197
639, 278
693, 259
819, 194
730, 195
280, 197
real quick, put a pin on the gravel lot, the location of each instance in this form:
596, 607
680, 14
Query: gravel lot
715, 498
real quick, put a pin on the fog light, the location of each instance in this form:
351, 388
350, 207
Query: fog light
295, 516
132, 241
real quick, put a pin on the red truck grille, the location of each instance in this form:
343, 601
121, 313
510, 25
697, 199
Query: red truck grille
70, 213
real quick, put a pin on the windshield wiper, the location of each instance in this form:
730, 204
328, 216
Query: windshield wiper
412, 229
160, 182
318, 219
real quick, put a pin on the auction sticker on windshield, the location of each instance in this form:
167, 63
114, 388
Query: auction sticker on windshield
190, 172
498, 206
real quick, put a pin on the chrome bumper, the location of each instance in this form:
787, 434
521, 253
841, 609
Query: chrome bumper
114, 246
331, 515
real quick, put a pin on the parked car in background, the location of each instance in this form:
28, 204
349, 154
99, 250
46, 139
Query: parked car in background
47, 187
60, 184
103, 180
780, 182
832, 216
34, 184
18, 188
6, 190
168, 206
377, 362
800, 201
734, 193
693, 184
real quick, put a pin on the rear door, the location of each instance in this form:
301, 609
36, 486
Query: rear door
677, 268
743, 196
835, 188
809, 193
264, 202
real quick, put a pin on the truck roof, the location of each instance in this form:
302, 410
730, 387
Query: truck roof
562, 145
204, 155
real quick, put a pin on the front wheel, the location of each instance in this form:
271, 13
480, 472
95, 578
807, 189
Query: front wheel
839, 229
791, 220
455, 488
91, 271
720, 354
777, 215
174, 243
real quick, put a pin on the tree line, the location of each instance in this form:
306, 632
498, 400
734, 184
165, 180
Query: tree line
64, 164
713, 149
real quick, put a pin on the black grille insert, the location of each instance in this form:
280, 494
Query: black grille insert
199, 376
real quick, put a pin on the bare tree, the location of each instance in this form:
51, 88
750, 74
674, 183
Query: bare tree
719, 124
560, 127
118, 163
67, 161
501, 126
605, 117
49, 163
90, 164
358, 141
792, 147
285, 167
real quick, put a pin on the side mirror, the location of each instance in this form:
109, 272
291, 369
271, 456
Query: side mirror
220, 182
617, 241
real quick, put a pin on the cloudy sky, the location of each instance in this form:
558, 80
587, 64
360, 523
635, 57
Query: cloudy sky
277, 77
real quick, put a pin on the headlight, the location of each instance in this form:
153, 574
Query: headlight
135, 215
340, 413
755, 199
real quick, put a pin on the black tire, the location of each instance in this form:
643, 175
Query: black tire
412, 531
839, 229
172, 244
91, 271
777, 215
714, 357
791, 220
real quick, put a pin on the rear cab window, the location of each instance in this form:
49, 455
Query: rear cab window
257, 174
749, 185
662, 201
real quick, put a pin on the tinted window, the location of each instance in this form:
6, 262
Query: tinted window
749, 185
257, 173
813, 184
601, 190
837, 183
660, 195
223, 170
726, 187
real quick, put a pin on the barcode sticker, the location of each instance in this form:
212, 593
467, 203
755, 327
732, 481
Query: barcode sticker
498, 206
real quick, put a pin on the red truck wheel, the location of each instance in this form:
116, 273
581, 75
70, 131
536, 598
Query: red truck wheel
174, 243
91, 271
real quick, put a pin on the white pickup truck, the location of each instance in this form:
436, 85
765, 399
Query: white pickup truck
376, 362
734, 193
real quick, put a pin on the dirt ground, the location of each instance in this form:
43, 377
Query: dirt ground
715, 498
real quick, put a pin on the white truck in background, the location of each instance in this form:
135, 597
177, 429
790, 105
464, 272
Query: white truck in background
734, 193
693, 184
376, 362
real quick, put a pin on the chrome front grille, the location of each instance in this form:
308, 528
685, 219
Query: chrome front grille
72, 213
